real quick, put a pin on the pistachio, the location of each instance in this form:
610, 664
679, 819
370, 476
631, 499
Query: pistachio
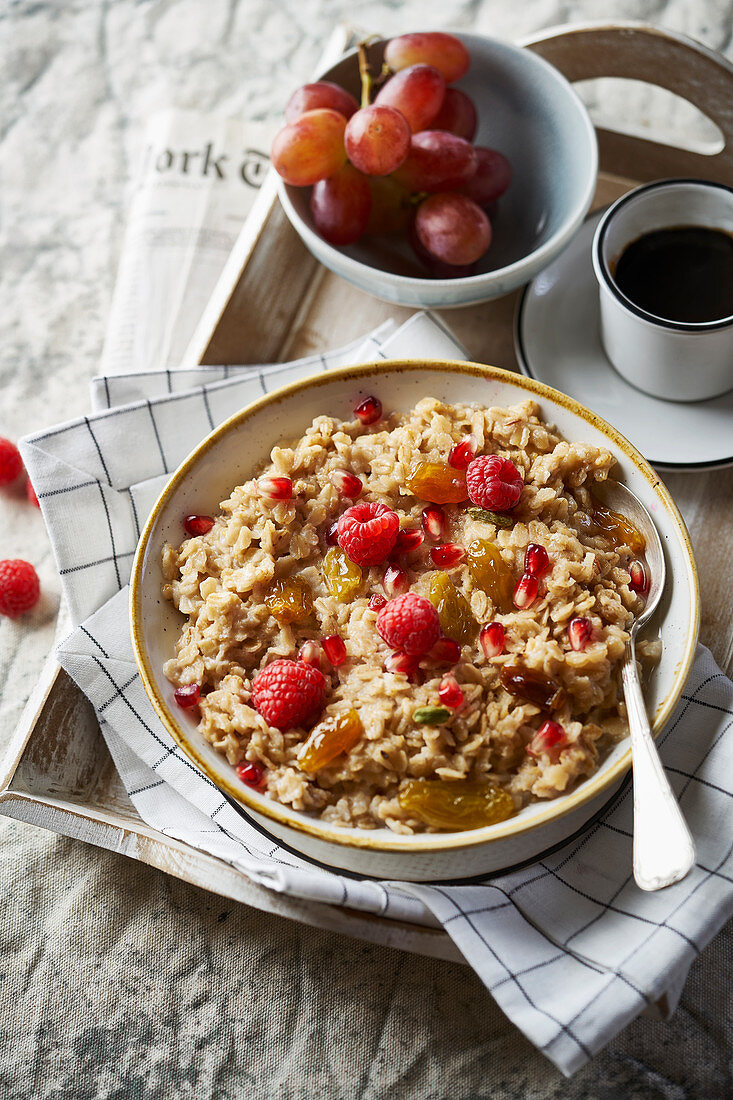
431, 716
497, 518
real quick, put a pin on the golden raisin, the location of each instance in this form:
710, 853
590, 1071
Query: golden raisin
612, 526
456, 804
329, 739
491, 573
535, 687
343, 576
437, 482
290, 600
456, 620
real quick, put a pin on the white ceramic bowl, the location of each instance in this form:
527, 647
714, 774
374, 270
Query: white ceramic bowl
530, 113
232, 453
675, 360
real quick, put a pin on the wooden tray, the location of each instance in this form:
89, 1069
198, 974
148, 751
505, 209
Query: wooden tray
57, 772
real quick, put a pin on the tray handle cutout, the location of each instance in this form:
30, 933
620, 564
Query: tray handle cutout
637, 51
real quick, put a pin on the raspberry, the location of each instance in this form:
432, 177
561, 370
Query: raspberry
19, 587
494, 482
11, 463
409, 623
30, 492
288, 694
368, 533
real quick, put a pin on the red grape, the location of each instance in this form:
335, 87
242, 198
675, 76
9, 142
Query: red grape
311, 148
417, 92
340, 206
323, 94
446, 52
437, 268
452, 228
391, 209
377, 139
437, 162
493, 176
457, 115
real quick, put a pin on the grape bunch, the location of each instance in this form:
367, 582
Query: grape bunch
402, 161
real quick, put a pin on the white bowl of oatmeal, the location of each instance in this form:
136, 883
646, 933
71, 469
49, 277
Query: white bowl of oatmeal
393, 638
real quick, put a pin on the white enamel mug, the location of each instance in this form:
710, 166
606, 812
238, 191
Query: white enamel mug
670, 359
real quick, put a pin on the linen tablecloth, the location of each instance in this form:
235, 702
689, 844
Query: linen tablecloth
570, 947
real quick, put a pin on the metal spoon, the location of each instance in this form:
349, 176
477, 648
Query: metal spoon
664, 850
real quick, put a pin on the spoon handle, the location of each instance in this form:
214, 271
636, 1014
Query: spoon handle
664, 850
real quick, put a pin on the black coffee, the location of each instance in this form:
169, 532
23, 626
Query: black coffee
683, 274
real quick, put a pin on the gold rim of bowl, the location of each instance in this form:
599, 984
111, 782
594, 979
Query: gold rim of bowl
385, 840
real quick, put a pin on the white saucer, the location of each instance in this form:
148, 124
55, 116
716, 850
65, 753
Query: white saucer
557, 341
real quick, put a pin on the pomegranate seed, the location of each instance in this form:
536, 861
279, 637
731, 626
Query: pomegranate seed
310, 653
463, 453
639, 580
376, 602
332, 533
187, 696
449, 692
369, 411
580, 632
402, 662
335, 650
526, 591
445, 651
251, 774
536, 561
549, 738
197, 525
492, 639
448, 555
275, 488
408, 540
434, 522
395, 581
349, 485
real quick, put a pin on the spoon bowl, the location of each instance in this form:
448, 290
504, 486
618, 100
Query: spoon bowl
664, 850
620, 499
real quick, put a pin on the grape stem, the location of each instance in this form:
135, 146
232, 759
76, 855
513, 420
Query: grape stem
365, 74
368, 83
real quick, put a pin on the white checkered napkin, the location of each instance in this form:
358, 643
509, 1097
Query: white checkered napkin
111, 390
423, 335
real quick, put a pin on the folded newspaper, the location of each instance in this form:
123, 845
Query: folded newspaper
197, 178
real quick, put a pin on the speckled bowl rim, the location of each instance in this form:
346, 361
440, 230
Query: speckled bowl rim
384, 840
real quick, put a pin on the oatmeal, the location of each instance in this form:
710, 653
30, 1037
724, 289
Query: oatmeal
413, 621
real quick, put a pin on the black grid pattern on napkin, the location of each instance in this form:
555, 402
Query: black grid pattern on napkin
113, 390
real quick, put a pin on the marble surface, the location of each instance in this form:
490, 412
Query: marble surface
119, 981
